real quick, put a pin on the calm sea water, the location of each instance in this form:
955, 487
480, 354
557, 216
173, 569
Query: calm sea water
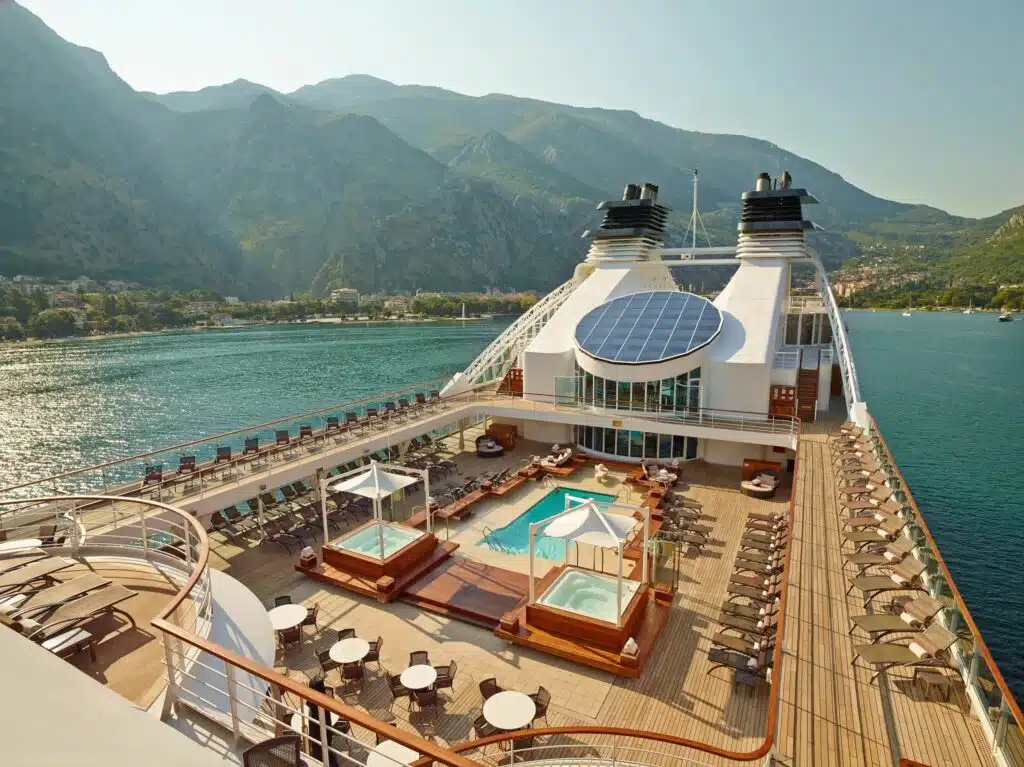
947, 390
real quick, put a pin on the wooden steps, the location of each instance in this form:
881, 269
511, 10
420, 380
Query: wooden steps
469, 591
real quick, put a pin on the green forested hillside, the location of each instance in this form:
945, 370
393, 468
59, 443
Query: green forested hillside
378, 186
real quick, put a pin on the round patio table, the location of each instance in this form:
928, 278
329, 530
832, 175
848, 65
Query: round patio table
287, 616
349, 650
18, 545
509, 710
419, 677
388, 753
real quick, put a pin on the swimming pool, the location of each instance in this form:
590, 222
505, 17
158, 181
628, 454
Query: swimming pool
514, 538
367, 540
588, 593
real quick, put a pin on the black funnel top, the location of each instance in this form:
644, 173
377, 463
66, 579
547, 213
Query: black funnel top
632, 217
775, 209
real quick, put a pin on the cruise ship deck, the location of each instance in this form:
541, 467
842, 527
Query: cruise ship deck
736, 419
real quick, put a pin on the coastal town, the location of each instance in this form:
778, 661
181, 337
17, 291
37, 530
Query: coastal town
35, 308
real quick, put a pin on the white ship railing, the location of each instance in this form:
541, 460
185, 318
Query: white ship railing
786, 360
855, 406
800, 304
501, 354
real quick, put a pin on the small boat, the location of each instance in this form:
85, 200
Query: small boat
1005, 316
970, 309
910, 310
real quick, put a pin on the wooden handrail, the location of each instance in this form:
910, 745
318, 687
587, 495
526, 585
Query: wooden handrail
979, 642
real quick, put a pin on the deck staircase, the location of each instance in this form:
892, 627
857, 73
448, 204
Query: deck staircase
807, 385
512, 383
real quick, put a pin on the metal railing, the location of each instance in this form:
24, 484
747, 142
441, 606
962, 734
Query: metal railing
851, 388
124, 475
991, 698
494, 362
786, 360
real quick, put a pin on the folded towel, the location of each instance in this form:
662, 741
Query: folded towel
910, 619
919, 651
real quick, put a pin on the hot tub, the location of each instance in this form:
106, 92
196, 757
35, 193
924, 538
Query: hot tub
588, 593
358, 552
580, 604
367, 540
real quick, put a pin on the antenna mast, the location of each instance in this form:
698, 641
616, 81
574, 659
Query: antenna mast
695, 217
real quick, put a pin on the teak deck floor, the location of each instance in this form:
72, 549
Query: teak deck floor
831, 714
477, 591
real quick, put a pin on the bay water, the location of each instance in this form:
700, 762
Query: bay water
947, 391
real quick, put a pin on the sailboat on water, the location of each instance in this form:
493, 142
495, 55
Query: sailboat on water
970, 309
910, 309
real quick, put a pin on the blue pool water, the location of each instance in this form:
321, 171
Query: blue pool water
514, 538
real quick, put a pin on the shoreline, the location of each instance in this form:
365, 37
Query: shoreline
259, 324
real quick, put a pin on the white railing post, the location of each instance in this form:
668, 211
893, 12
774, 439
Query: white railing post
172, 683
145, 534
229, 679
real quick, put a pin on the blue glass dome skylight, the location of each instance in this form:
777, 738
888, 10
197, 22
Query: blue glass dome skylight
644, 328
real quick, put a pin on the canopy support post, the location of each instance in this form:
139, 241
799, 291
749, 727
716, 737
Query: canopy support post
532, 594
618, 591
321, 487
647, 529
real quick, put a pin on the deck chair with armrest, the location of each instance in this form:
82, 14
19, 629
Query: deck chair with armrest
886, 532
754, 611
761, 581
762, 625
875, 492
867, 520
882, 554
914, 615
82, 610
20, 559
37, 602
760, 563
856, 455
749, 646
41, 570
905, 576
870, 464
753, 668
863, 476
762, 596
927, 648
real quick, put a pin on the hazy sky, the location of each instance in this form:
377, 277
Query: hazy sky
915, 100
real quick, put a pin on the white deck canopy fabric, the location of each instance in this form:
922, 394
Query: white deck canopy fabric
376, 484
583, 521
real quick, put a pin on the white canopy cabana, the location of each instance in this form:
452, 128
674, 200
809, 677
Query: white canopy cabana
376, 484
584, 522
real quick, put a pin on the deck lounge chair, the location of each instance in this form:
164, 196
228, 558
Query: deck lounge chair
906, 576
37, 602
914, 615
153, 474
223, 454
20, 559
884, 555
82, 610
763, 596
748, 646
40, 570
186, 464
873, 518
748, 670
753, 627
754, 611
927, 648
866, 488
252, 446
886, 532
755, 581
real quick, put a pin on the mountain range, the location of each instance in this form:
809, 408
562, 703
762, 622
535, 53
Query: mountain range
362, 182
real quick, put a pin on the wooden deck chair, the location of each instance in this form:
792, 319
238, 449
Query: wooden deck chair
884, 555
905, 576
927, 648
914, 616
24, 577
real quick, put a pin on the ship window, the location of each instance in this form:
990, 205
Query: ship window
636, 444
826, 330
624, 389
621, 442
678, 445
792, 329
668, 391
588, 437
650, 445
664, 446
638, 395
691, 448
609, 441
609, 393
806, 329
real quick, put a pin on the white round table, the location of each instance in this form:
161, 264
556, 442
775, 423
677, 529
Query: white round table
287, 616
18, 545
388, 754
349, 650
419, 677
509, 710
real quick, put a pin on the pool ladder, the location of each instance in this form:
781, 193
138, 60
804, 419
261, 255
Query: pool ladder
494, 545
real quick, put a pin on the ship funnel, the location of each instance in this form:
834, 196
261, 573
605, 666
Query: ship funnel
764, 182
786, 180
631, 192
649, 192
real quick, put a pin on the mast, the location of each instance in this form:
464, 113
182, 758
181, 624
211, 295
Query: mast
693, 218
